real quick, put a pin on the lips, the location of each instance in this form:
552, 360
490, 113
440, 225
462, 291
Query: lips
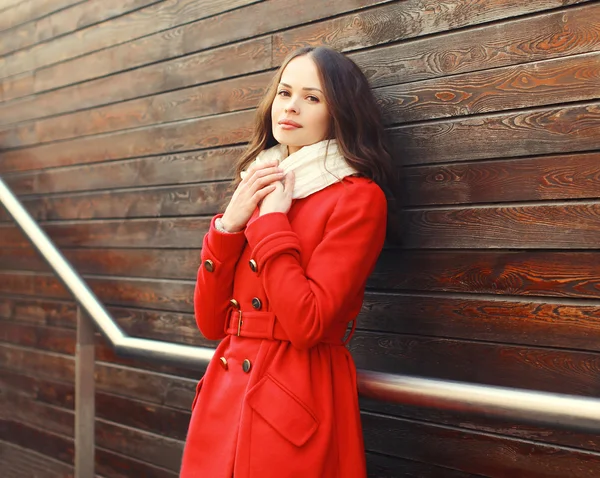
289, 124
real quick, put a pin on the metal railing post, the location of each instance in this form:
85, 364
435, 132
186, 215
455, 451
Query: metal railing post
85, 409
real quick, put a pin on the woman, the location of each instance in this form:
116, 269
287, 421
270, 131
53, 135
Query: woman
283, 273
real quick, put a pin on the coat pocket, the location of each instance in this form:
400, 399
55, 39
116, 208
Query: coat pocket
198, 388
283, 411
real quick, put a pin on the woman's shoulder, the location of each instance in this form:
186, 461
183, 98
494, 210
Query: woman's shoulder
358, 188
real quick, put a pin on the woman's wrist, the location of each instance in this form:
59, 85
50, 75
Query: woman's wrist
223, 226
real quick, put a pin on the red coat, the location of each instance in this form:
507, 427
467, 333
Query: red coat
280, 400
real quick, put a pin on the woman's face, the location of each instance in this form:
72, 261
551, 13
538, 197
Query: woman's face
299, 113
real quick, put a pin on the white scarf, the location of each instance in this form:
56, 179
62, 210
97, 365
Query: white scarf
315, 166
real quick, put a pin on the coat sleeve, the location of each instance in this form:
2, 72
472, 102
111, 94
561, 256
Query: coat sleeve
214, 286
307, 302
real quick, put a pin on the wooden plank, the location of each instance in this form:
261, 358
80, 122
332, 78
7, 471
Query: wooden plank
44, 396
528, 273
22, 462
193, 200
39, 312
573, 176
394, 22
217, 64
550, 323
533, 368
556, 436
66, 21
152, 233
574, 78
555, 226
381, 466
162, 16
562, 129
205, 100
536, 38
30, 10
151, 387
178, 168
231, 26
223, 130
479, 453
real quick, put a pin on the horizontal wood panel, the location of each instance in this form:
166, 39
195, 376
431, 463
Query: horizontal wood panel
161, 16
210, 132
178, 168
478, 453
227, 28
540, 37
574, 78
63, 22
29, 10
562, 129
381, 466
214, 98
395, 22
203, 199
574, 176
151, 387
562, 226
16, 459
45, 395
451, 418
153, 233
221, 63
549, 370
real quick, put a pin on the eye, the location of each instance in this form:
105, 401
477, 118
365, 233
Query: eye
283, 93
313, 99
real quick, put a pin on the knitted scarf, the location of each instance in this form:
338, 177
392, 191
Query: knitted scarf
315, 166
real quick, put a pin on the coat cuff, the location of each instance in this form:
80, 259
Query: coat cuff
270, 235
223, 245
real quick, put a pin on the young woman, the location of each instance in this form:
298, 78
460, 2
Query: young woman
283, 274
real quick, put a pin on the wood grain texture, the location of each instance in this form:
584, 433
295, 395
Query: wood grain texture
153, 233
178, 168
394, 22
65, 21
556, 226
562, 129
29, 10
162, 16
193, 200
536, 38
556, 436
544, 369
253, 20
575, 78
573, 176
205, 100
382, 466
222, 130
22, 462
551, 274
478, 453
221, 63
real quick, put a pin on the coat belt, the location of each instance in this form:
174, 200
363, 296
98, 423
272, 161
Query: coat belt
261, 325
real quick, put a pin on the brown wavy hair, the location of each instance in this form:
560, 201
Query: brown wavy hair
355, 118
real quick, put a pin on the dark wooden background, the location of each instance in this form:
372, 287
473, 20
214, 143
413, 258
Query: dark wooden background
120, 121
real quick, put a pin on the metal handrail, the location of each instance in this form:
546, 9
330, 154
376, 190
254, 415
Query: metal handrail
524, 406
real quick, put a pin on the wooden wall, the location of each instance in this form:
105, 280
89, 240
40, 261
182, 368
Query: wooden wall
119, 123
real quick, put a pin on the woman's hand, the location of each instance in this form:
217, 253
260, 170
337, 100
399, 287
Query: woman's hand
257, 184
280, 200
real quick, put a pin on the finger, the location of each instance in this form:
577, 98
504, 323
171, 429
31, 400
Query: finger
257, 166
264, 181
261, 193
290, 181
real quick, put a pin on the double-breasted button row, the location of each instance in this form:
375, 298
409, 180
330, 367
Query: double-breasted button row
209, 265
246, 364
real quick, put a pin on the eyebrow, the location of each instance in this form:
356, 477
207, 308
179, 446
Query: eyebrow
306, 88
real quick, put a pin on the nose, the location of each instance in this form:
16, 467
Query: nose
291, 106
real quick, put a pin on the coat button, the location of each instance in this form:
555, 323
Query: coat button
253, 265
235, 303
246, 365
256, 303
224, 363
209, 265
